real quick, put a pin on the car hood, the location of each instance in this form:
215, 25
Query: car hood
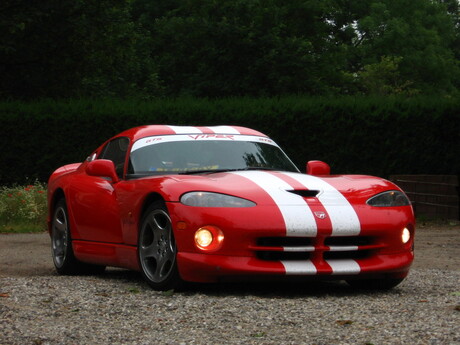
285, 188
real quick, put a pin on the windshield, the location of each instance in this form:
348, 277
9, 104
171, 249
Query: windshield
192, 154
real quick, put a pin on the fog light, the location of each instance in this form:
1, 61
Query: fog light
405, 235
209, 238
203, 238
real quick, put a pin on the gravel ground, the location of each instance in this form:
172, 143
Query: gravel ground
119, 308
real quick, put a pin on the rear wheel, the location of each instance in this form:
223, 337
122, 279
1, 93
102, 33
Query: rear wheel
61, 245
157, 249
375, 284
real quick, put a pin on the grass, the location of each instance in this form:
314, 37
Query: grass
23, 208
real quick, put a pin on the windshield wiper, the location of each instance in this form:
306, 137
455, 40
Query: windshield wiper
213, 171
204, 171
256, 168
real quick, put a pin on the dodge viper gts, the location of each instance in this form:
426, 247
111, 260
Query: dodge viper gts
208, 204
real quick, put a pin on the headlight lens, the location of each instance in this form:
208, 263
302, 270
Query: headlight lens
389, 199
208, 199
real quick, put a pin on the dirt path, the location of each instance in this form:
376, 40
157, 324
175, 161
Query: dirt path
436, 246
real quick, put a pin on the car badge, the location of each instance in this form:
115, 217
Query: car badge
320, 215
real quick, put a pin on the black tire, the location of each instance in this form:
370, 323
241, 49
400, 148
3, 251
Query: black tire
61, 245
375, 284
157, 249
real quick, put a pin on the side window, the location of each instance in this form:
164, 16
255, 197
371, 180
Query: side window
115, 151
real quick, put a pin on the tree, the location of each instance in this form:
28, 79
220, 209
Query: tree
53, 48
418, 32
239, 47
383, 78
211, 48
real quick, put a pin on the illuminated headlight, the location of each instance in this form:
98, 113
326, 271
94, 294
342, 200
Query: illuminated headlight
405, 237
208, 199
389, 199
209, 238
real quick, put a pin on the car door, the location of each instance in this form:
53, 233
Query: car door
95, 204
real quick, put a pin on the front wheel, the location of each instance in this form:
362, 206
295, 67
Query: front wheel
375, 284
157, 249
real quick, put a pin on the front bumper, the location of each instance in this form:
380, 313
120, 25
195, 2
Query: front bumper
256, 245
198, 267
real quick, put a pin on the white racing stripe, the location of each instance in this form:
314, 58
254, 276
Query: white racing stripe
306, 267
185, 129
344, 266
299, 219
300, 267
297, 215
196, 130
224, 130
345, 221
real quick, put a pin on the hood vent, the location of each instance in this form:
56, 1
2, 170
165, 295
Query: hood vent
305, 193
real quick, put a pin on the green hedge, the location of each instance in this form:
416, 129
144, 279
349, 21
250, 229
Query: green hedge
378, 136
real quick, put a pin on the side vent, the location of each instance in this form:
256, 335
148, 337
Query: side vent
304, 193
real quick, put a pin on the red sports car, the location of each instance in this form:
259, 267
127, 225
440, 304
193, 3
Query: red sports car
205, 204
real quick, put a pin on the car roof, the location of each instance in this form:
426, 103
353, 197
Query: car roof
154, 130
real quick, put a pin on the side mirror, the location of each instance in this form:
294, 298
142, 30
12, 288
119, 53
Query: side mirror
318, 168
102, 168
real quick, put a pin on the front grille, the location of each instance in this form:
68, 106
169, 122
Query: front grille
347, 241
355, 254
284, 241
305, 248
278, 256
